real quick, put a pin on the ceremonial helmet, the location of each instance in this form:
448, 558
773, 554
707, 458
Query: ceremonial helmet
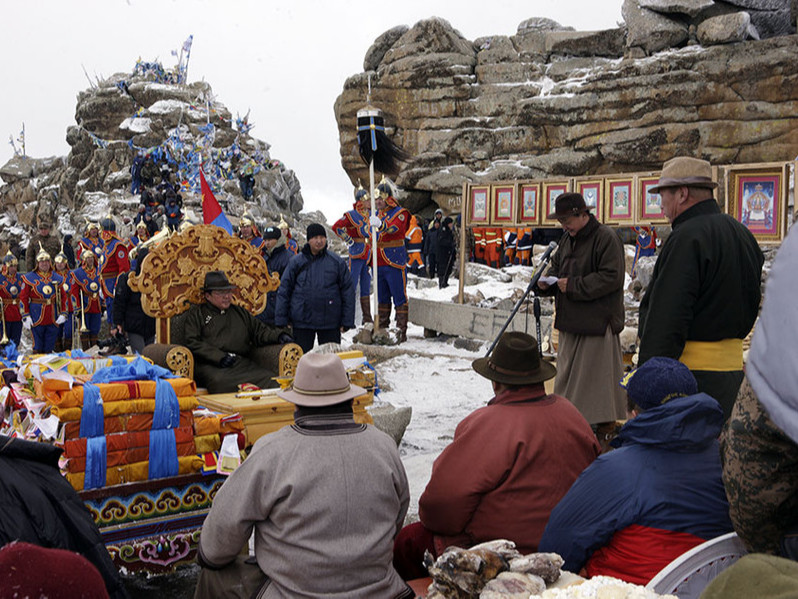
282, 224
108, 224
142, 225
10, 259
43, 254
361, 195
60, 258
87, 253
91, 225
246, 221
384, 188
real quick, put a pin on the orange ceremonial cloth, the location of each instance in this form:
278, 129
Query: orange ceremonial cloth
64, 394
125, 448
139, 471
119, 408
126, 422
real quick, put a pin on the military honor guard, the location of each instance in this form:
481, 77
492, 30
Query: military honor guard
91, 242
43, 303
353, 229
87, 298
10, 289
414, 243
391, 259
248, 231
63, 341
290, 242
115, 261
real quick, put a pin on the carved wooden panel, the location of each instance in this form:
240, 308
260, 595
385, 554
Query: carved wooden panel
174, 271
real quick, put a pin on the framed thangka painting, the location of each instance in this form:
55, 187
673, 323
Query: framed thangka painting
650, 204
479, 209
619, 203
551, 191
529, 203
594, 198
758, 199
503, 200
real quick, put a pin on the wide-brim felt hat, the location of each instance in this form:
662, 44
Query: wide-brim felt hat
568, 204
320, 381
683, 170
515, 361
216, 280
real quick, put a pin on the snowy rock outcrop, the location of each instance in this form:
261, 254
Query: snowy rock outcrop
127, 114
549, 101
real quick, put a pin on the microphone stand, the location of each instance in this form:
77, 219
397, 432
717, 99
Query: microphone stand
544, 262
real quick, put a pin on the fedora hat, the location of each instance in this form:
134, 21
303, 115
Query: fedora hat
684, 170
568, 204
320, 381
515, 361
216, 280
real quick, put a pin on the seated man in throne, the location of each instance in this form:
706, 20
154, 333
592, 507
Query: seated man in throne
221, 337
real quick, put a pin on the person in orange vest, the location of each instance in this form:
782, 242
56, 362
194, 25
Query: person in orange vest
414, 243
523, 250
479, 244
510, 239
493, 247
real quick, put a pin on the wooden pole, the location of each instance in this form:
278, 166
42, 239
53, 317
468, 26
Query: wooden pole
463, 235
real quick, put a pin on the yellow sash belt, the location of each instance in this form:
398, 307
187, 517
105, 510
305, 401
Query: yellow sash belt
716, 356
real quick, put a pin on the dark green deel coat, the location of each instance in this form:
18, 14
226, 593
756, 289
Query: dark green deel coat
211, 333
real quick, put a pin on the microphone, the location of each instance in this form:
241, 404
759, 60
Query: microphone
551, 248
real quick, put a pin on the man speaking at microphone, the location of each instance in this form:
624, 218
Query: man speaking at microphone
586, 278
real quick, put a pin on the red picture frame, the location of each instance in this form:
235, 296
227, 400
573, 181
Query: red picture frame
551, 190
529, 203
758, 199
619, 201
479, 205
649, 204
593, 192
503, 203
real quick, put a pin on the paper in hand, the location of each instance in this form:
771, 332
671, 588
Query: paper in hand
548, 280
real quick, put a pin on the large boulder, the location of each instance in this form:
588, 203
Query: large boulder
725, 29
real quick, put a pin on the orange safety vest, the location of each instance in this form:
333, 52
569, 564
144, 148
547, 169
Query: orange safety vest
479, 244
493, 247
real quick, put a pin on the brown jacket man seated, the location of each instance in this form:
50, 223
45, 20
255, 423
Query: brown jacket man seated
222, 336
508, 465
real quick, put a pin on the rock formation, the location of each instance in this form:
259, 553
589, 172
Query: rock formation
132, 112
680, 77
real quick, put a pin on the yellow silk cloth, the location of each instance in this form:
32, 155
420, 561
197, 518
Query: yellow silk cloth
139, 471
715, 356
208, 443
118, 408
68, 395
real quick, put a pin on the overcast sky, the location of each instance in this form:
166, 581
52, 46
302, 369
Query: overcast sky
284, 62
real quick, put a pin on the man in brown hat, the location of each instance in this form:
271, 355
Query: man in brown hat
704, 293
590, 268
325, 498
222, 335
508, 465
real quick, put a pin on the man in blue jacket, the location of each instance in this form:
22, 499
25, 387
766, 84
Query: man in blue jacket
316, 294
635, 509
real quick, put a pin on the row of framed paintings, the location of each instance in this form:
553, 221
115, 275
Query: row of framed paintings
756, 195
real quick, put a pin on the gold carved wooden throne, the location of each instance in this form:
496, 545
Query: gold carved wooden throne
171, 279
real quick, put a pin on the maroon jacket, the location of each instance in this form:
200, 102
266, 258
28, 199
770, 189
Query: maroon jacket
507, 467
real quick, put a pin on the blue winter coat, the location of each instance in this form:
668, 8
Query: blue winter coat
665, 475
316, 292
